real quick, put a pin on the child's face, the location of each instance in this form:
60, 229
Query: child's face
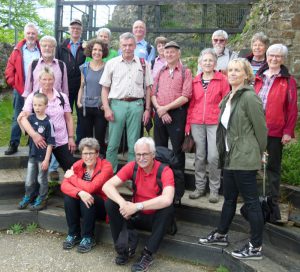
39, 105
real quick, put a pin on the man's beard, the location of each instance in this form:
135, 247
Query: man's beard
219, 49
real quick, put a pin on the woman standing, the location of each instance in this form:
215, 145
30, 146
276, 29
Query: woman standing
209, 88
241, 141
91, 115
278, 92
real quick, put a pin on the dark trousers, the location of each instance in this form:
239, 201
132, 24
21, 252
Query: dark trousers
156, 223
235, 181
64, 156
73, 95
76, 209
174, 131
274, 149
94, 124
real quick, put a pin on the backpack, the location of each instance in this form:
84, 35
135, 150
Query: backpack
148, 48
60, 97
167, 158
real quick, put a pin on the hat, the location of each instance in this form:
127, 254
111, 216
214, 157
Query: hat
172, 44
76, 21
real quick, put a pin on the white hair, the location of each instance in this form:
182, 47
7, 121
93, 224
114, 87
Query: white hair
146, 140
48, 38
106, 30
210, 51
220, 32
127, 36
278, 48
31, 25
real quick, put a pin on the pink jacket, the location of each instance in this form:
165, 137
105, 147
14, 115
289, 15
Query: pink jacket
204, 105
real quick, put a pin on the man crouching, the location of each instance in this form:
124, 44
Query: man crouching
151, 207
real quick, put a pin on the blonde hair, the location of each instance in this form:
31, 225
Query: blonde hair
46, 71
246, 66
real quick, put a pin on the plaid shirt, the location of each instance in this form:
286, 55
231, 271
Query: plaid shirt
267, 84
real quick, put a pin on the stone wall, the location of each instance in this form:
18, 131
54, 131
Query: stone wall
5, 51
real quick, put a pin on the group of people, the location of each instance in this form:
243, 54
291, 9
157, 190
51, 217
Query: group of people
236, 109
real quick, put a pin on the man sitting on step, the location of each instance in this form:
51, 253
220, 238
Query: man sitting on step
151, 207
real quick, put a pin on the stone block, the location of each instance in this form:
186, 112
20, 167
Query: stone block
290, 34
296, 21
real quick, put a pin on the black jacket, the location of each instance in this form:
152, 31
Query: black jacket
72, 64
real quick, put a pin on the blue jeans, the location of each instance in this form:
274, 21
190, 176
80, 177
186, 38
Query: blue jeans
242, 181
18, 104
73, 100
35, 172
53, 164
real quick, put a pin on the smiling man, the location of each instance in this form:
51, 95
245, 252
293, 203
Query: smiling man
151, 207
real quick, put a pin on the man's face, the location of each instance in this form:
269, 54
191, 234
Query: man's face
219, 44
172, 55
139, 30
75, 31
31, 35
127, 46
47, 49
144, 157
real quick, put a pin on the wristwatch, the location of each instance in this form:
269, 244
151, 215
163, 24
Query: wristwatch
139, 206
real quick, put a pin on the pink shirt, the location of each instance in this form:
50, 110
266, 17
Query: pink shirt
158, 64
56, 113
171, 85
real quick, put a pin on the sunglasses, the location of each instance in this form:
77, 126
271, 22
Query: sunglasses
219, 40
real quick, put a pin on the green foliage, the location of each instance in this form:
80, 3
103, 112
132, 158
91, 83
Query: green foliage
53, 187
32, 227
191, 63
222, 268
16, 228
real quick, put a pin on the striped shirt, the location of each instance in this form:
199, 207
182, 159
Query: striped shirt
87, 176
125, 79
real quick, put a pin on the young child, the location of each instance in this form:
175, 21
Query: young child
38, 163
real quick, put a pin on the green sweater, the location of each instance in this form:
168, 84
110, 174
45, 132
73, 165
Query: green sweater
111, 54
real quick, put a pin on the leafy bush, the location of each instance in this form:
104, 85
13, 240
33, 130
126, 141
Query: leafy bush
17, 228
32, 227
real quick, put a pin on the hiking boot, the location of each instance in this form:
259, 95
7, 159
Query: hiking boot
122, 259
54, 175
12, 149
248, 252
24, 203
39, 204
213, 197
196, 194
71, 241
86, 245
215, 238
143, 263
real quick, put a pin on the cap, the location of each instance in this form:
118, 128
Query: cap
172, 44
75, 21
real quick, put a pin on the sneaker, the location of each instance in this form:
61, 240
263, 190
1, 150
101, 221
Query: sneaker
196, 194
214, 238
24, 203
54, 175
12, 149
123, 258
39, 204
213, 197
71, 241
143, 263
248, 252
86, 245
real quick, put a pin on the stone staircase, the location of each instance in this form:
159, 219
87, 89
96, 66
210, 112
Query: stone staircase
194, 218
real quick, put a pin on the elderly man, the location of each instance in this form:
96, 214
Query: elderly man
219, 41
171, 91
151, 207
15, 73
71, 53
123, 82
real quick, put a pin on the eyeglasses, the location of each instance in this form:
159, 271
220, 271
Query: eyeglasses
144, 155
275, 56
75, 28
86, 154
219, 40
47, 45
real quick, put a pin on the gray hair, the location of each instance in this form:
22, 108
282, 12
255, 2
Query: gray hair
90, 143
262, 37
106, 30
46, 70
48, 38
220, 32
278, 47
127, 36
246, 66
31, 25
148, 141
210, 51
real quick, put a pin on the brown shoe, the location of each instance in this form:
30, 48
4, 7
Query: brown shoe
54, 175
196, 194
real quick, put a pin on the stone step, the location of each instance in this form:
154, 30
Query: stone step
184, 245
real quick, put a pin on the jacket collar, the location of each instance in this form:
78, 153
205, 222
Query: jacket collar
217, 76
284, 72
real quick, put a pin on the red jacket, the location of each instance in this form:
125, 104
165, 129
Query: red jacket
204, 105
14, 72
73, 185
281, 109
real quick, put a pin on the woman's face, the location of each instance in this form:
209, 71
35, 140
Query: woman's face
97, 52
103, 36
207, 63
236, 75
46, 82
275, 59
89, 156
259, 49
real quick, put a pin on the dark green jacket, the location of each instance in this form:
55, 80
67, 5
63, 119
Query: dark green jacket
246, 132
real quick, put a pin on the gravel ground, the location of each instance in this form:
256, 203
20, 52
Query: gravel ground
42, 251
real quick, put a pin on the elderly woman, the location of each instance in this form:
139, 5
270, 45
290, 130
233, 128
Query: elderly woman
59, 111
259, 45
241, 141
159, 62
89, 103
83, 195
209, 88
278, 92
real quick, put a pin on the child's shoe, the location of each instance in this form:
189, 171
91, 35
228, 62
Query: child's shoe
24, 203
39, 204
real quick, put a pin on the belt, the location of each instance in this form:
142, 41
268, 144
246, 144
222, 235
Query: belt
130, 99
